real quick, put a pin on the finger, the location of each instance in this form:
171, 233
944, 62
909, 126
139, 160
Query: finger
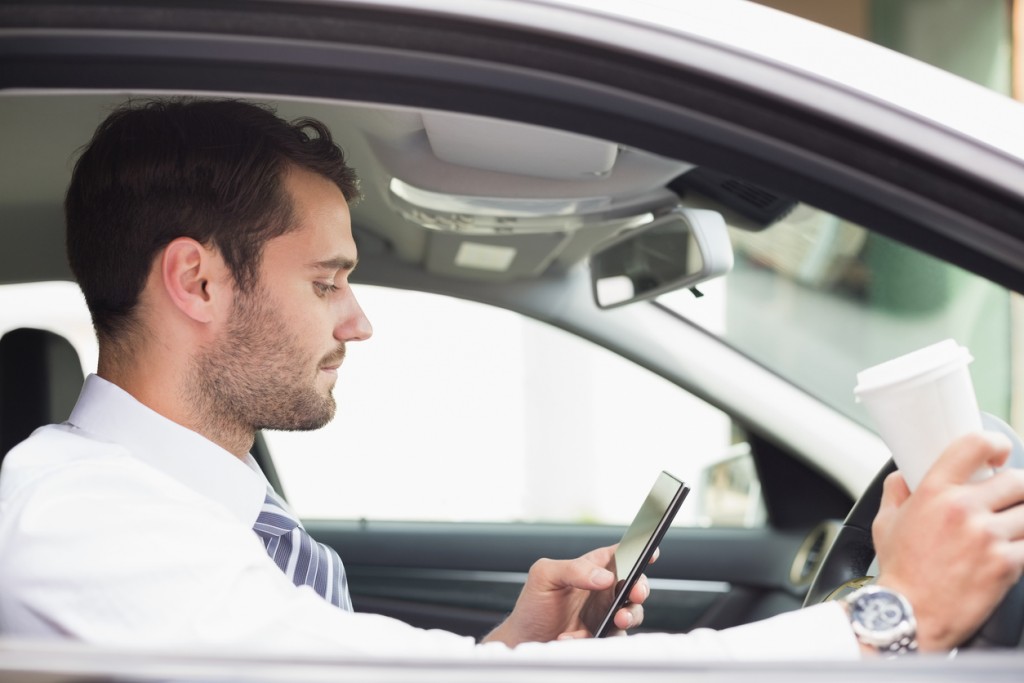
1009, 524
1003, 490
1015, 553
629, 616
966, 455
640, 591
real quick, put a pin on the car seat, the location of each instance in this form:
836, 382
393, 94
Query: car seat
40, 379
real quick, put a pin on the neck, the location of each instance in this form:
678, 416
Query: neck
167, 390
216, 420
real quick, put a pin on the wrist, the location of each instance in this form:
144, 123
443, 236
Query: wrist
933, 632
500, 634
882, 620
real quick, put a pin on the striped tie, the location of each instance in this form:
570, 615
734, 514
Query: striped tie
302, 559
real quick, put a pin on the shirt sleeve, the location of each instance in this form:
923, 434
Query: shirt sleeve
112, 552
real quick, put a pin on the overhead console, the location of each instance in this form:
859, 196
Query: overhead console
500, 200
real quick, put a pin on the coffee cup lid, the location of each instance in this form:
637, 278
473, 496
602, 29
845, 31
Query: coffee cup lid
914, 368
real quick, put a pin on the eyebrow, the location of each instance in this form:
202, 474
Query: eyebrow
340, 263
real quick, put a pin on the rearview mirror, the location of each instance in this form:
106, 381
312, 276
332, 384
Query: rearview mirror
680, 249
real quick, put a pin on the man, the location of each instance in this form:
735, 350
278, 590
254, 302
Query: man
213, 244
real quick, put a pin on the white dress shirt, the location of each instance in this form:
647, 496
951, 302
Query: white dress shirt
120, 527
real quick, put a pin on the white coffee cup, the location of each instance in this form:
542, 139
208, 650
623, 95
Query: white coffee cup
920, 403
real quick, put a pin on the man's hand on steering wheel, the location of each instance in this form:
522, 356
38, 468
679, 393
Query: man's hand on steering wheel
954, 547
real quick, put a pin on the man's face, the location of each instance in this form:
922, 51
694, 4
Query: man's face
278, 360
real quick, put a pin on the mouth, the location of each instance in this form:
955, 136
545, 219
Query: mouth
332, 362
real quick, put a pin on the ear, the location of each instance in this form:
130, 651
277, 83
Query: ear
192, 275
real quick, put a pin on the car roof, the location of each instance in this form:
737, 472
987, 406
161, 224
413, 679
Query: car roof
812, 65
793, 105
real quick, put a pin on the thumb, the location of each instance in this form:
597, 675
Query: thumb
894, 492
597, 578
579, 573
597, 567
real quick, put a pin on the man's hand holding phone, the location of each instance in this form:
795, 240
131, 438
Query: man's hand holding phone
634, 552
550, 604
630, 615
600, 593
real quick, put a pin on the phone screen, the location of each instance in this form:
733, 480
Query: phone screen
635, 551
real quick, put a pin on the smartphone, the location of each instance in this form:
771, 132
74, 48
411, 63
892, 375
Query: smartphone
635, 552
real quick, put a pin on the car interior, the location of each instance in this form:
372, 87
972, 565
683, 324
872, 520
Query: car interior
507, 215
485, 182
510, 215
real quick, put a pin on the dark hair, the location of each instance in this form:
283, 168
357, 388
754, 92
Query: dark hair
212, 170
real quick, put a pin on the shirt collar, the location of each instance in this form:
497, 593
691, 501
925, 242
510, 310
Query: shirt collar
109, 413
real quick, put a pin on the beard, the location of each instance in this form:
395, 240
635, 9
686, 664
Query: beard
258, 377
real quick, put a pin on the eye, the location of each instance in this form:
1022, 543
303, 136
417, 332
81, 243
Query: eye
324, 288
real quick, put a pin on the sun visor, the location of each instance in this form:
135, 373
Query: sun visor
501, 159
493, 145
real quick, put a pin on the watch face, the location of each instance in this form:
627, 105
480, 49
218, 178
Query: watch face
878, 611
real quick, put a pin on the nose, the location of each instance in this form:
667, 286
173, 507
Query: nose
353, 325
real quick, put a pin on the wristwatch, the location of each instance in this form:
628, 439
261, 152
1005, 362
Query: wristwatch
882, 619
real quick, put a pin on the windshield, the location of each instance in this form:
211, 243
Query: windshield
817, 299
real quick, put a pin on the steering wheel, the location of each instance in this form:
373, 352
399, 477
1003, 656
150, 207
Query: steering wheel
853, 551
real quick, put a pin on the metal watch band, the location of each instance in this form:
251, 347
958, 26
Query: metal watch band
898, 638
905, 645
